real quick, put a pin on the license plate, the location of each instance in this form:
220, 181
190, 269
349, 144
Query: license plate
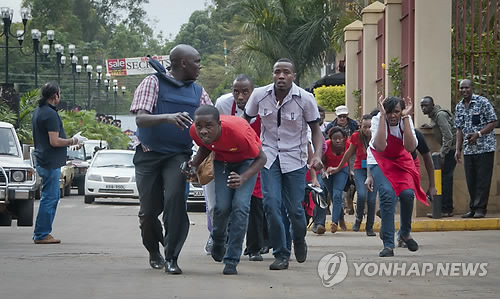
118, 187
198, 193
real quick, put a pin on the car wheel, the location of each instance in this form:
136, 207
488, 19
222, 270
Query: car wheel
89, 199
38, 193
5, 219
67, 190
24, 212
81, 188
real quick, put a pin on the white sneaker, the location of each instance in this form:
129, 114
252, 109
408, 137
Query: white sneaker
208, 246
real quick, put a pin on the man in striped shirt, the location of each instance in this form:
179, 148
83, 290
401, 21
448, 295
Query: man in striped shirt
164, 104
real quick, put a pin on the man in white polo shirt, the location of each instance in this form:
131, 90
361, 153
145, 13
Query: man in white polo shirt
286, 111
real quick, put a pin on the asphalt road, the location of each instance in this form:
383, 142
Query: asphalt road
101, 256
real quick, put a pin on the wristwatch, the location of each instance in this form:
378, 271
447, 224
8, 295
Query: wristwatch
479, 133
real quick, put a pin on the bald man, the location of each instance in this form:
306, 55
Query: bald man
475, 120
164, 105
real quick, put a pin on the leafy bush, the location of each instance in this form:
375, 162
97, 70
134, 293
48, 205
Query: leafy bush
330, 96
85, 121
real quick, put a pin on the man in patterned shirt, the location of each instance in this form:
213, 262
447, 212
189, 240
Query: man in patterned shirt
475, 120
164, 104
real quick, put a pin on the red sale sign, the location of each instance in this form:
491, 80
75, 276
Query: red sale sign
133, 66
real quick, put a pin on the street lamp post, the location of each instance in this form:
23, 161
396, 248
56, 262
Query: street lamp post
74, 62
115, 89
98, 70
7, 15
106, 82
123, 93
60, 61
89, 78
36, 35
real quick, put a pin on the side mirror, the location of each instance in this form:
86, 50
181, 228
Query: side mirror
26, 152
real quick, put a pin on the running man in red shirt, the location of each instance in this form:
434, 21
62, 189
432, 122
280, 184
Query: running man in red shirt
238, 159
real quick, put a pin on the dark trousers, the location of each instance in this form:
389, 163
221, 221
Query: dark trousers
257, 236
478, 173
447, 170
162, 187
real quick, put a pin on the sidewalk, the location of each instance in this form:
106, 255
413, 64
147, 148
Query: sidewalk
425, 224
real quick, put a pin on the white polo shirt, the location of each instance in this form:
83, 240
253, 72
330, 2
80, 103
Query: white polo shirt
288, 141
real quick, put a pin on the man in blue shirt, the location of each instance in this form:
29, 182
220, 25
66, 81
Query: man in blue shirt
475, 120
50, 152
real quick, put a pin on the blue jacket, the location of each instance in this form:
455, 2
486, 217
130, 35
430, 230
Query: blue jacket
173, 96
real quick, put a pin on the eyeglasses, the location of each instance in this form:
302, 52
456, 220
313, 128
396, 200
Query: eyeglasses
342, 116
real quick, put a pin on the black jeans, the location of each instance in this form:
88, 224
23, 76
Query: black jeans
447, 170
257, 236
478, 173
162, 187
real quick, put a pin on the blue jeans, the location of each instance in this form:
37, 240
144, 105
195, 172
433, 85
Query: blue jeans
388, 198
48, 202
286, 189
364, 196
335, 185
231, 205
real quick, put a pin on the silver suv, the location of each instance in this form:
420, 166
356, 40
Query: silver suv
17, 179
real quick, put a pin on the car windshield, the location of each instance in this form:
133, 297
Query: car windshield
8, 145
113, 160
76, 154
92, 146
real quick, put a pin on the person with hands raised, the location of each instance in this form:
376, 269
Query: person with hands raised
238, 159
393, 169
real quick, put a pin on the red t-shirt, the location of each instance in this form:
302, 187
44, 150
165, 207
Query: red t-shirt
360, 150
333, 160
237, 142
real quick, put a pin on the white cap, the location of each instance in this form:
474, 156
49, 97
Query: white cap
341, 110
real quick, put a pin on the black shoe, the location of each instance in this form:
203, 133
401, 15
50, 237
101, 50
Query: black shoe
156, 261
171, 267
245, 252
370, 233
280, 263
356, 225
386, 252
230, 269
218, 253
255, 257
265, 250
411, 244
479, 214
300, 249
469, 214
443, 215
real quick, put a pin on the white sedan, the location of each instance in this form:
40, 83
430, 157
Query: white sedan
111, 174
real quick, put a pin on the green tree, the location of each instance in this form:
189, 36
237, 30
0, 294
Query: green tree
299, 30
201, 33
85, 121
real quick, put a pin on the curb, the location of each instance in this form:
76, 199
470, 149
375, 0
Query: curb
436, 225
